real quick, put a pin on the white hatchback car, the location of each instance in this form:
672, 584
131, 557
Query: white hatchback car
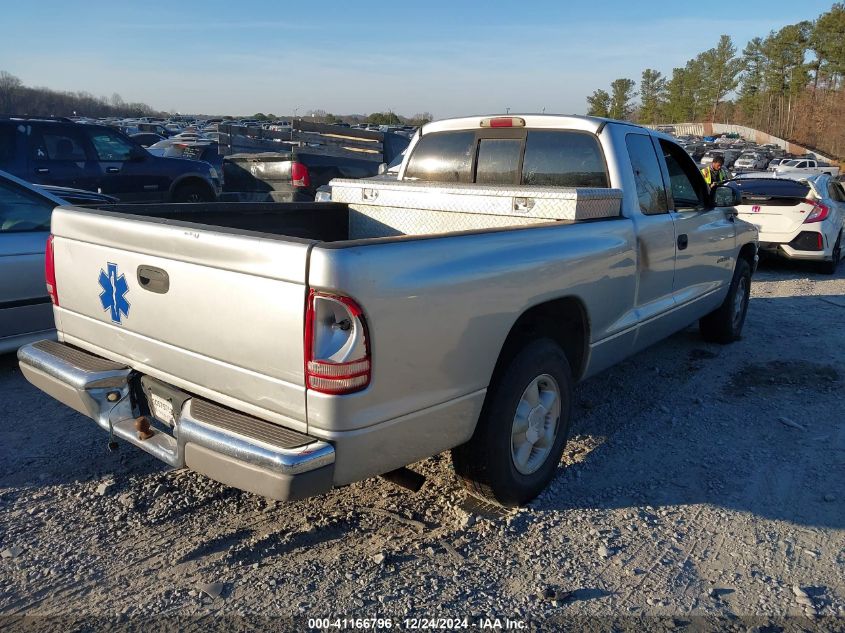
798, 218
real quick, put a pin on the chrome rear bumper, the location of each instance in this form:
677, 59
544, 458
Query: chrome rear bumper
232, 448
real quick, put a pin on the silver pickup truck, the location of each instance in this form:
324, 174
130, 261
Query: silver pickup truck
286, 349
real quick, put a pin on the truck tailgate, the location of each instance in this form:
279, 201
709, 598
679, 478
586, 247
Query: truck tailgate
218, 313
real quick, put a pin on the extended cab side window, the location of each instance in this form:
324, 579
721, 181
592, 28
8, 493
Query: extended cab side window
563, 159
650, 189
685, 182
110, 146
22, 211
443, 157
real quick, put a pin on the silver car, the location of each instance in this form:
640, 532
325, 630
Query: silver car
751, 161
26, 313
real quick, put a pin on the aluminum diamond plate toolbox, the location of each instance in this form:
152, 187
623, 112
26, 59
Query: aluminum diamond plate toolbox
367, 221
535, 203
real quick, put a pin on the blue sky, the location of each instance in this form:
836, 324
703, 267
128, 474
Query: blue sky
447, 58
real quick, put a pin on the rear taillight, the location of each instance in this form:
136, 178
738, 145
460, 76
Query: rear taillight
337, 347
299, 175
50, 272
819, 213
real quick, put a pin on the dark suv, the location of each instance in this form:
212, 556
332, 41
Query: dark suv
99, 158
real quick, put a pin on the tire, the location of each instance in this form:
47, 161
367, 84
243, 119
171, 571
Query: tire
829, 268
192, 192
724, 324
491, 464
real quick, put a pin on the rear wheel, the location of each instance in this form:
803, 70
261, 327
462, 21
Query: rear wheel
724, 324
519, 439
829, 268
192, 192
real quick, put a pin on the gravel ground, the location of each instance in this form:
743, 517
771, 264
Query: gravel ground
703, 488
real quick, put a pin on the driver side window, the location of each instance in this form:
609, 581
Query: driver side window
21, 211
687, 186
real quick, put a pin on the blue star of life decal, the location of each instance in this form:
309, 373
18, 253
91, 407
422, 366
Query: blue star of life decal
113, 296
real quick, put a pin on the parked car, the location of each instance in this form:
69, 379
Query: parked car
100, 158
797, 219
286, 349
207, 151
25, 310
728, 155
154, 128
145, 139
751, 161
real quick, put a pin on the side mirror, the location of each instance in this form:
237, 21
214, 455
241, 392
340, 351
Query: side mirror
725, 196
382, 168
137, 154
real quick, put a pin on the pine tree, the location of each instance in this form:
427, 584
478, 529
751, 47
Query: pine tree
652, 96
599, 103
621, 94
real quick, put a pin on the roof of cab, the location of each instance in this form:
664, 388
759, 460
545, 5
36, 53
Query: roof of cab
551, 121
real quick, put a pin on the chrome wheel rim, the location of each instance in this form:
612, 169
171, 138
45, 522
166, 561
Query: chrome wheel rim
535, 424
739, 301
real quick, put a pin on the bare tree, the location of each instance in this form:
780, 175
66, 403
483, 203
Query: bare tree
9, 87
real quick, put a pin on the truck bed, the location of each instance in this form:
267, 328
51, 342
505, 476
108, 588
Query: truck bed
384, 209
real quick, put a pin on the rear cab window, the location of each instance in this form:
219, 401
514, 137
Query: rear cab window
443, 157
534, 157
563, 159
498, 161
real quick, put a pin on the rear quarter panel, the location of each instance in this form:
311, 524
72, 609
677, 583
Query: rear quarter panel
439, 310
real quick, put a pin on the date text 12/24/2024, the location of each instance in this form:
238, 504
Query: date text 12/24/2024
414, 624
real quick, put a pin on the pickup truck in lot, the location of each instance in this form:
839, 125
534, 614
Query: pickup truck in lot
288, 348
292, 164
805, 167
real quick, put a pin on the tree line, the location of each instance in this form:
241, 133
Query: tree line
16, 98
788, 83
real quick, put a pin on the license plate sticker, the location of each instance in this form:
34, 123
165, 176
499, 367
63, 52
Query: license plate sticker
162, 409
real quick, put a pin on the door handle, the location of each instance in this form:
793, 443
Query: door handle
153, 279
42, 170
112, 170
683, 241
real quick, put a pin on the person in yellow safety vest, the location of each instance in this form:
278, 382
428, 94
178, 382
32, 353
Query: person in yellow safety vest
713, 173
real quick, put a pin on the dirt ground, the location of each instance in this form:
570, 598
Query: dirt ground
703, 489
